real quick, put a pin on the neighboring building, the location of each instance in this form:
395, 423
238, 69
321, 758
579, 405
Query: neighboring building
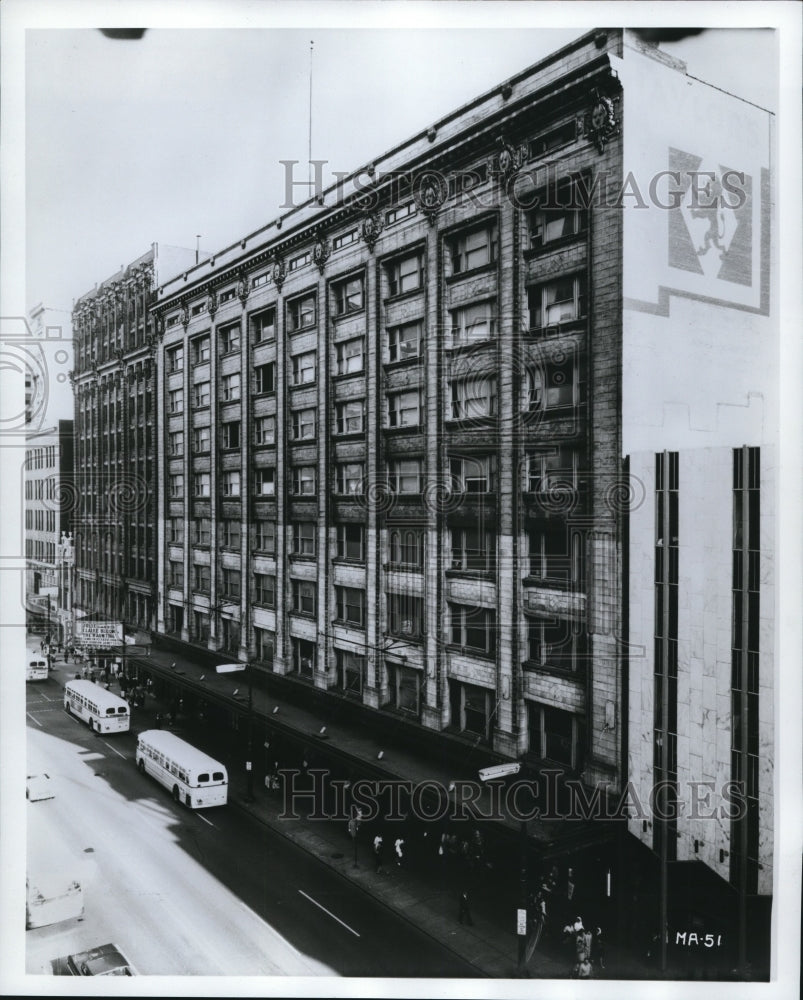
115, 429
49, 353
49, 506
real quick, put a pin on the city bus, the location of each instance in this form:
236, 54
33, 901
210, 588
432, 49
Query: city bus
35, 667
100, 709
194, 778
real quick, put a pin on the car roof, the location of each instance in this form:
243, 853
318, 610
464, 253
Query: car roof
101, 960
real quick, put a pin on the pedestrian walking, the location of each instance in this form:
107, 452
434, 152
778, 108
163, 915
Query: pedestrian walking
83, 671
378, 842
464, 914
66, 654
598, 948
399, 846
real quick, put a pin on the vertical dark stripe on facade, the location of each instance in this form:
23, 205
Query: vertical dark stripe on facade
744, 665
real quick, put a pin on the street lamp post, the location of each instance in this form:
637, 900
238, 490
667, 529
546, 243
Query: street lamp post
504, 771
247, 669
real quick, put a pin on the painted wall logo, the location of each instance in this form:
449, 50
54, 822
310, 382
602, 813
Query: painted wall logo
711, 229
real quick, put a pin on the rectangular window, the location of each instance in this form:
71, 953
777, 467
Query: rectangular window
200, 627
304, 657
265, 644
304, 538
198, 308
231, 386
303, 480
349, 417
260, 280
552, 472
176, 574
201, 484
351, 542
473, 550
230, 534
402, 212
263, 325
265, 378
405, 689
265, 590
474, 323
405, 274
404, 408
175, 443
301, 314
405, 615
201, 349
176, 400
473, 628
264, 430
265, 482
230, 337
557, 643
555, 554
175, 359
552, 386
555, 734
304, 424
304, 368
406, 548
472, 398
476, 474
176, 482
230, 583
557, 302
228, 295
266, 537
556, 222
201, 439
350, 671
556, 137
404, 342
350, 356
231, 434
470, 708
201, 394
405, 475
175, 530
349, 478
344, 239
474, 248
201, 531
348, 296
300, 261
230, 481
350, 603
304, 597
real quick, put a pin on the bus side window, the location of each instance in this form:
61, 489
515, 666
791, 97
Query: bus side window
203, 777
217, 776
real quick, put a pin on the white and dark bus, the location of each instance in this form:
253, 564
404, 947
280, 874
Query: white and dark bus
100, 709
35, 667
193, 778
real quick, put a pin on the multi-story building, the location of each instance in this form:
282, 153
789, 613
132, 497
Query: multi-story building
115, 430
48, 499
477, 439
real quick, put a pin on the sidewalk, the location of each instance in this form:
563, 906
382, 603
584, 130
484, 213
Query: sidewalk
417, 892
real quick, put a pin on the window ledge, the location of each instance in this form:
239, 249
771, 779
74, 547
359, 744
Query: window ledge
471, 574
551, 583
341, 376
564, 326
407, 429
471, 651
564, 241
576, 674
487, 268
407, 295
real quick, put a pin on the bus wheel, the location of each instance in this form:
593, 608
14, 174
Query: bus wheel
141, 765
176, 794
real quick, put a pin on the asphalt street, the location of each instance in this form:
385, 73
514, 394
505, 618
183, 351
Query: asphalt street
207, 892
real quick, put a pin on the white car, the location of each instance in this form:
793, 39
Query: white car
39, 787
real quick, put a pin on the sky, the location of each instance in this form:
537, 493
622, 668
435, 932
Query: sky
182, 132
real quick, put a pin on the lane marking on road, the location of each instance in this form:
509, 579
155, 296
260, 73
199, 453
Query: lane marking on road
328, 912
43, 695
35, 720
115, 750
209, 821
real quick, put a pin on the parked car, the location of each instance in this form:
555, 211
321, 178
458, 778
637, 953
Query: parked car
38, 787
105, 960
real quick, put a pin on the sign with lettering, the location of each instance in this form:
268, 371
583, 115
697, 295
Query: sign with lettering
98, 635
